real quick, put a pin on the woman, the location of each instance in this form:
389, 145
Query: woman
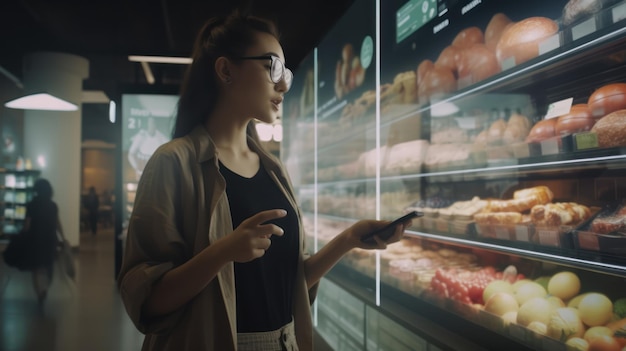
41, 226
214, 256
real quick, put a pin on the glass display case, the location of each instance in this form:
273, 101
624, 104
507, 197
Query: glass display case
17, 191
504, 123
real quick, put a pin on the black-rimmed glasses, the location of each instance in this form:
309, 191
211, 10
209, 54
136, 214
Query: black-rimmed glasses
278, 71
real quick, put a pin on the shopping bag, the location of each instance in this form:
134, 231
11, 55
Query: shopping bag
66, 258
14, 254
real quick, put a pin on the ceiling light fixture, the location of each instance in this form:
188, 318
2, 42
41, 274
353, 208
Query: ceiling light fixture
41, 101
147, 72
161, 59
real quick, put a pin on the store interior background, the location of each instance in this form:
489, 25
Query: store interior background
104, 34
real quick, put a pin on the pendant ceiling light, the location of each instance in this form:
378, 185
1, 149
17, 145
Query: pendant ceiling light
41, 101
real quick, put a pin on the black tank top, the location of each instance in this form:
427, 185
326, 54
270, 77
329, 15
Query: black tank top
264, 286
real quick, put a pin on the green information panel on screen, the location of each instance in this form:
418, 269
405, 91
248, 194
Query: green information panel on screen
413, 15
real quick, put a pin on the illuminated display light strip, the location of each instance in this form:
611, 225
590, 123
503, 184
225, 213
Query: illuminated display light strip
562, 260
582, 161
378, 163
161, 59
512, 167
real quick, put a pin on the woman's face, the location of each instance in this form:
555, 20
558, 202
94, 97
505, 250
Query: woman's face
256, 93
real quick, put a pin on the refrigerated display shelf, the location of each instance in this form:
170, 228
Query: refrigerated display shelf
561, 256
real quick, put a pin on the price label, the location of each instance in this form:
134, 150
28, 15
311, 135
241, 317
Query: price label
503, 233
548, 237
551, 43
559, 108
521, 233
508, 63
619, 13
584, 29
586, 140
550, 146
589, 241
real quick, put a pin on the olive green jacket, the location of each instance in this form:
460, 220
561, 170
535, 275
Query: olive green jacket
180, 208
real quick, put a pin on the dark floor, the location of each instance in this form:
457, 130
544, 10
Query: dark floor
81, 315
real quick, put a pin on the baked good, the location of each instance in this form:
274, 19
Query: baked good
542, 193
521, 39
464, 209
498, 218
561, 213
514, 205
578, 119
517, 129
608, 224
438, 80
468, 37
578, 9
495, 131
607, 99
611, 129
542, 130
406, 157
477, 62
449, 58
495, 28
422, 69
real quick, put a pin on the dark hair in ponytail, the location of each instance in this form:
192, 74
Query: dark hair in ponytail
227, 36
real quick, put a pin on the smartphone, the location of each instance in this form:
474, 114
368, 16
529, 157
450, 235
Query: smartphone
387, 231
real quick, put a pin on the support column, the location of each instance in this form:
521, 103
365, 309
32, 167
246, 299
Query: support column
55, 137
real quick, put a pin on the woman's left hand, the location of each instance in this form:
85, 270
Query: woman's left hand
364, 227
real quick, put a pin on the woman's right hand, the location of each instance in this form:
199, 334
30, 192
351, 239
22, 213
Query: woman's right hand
252, 237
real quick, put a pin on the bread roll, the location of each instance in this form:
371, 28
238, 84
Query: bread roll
562, 213
578, 119
516, 129
422, 69
607, 99
521, 40
542, 130
477, 62
495, 131
438, 80
449, 58
577, 9
541, 192
495, 28
611, 129
498, 218
468, 37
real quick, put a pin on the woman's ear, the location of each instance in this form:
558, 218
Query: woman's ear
222, 69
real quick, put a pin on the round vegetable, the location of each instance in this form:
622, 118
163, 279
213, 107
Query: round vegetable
595, 309
564, 285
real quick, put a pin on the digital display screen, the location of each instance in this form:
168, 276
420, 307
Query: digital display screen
147, 122
412, 16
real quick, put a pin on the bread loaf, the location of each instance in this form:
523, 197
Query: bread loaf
611, 129
521, 40
607, 99
577, 9
542, 130
578, 119
562, 213
438, 80
498, 218
468, 37
516, 129
449, 58
477, 62
495, 28
542, 193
